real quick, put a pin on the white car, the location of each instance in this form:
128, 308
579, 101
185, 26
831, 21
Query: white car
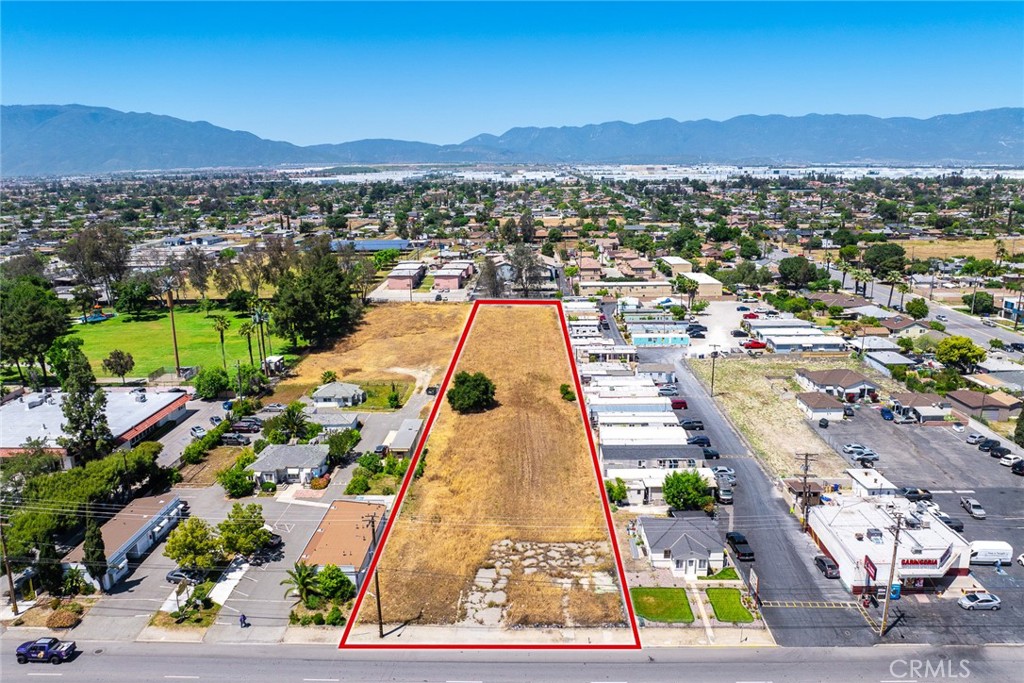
1020, 559
1009, 460
958, 428
979, 600
942, 318
987, 323
853, 448
928, 505
975, 438
197, 432
722, 469
274, 408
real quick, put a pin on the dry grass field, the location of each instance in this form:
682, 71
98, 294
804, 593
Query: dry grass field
759, 396
401, 341
926, 249
520, 472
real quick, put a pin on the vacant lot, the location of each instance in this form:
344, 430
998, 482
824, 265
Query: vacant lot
404, 342
149, 340
506, 526
759, 396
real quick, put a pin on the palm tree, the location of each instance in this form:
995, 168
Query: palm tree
844, 268
221, 324
293, 421
301, 581
892, 279
859, 276
903, 288
689, 287
247, 330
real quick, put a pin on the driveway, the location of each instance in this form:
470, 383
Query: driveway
198, 412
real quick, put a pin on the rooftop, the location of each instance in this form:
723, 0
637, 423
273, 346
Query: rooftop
344, 535
123, 526
282, 456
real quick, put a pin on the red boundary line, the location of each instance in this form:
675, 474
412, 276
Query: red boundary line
409, 476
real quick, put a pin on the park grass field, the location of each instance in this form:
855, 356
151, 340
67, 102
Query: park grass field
149, 341
401, 342
520, 472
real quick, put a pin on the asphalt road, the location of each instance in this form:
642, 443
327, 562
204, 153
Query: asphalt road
613, 330
131, 663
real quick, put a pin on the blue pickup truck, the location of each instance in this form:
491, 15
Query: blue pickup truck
46, 650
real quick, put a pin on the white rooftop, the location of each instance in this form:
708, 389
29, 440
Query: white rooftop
701, 278
615, 435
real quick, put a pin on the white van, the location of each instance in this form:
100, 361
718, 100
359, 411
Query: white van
990, 552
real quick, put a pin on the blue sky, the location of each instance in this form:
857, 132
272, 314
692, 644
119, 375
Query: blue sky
332, 72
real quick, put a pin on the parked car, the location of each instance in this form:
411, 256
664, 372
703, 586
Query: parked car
865, 457
724, 495
692, 425
697, 334
988, 323
275, 408
1017, 467
722, 469
980, 600
711, 454
197, 432
47, 650
823, 423
245, 427
853, 448
827, 566
433, 389
381, 450
952, 522
1017, 346
668, 390
179, 574
679, 403
958, 428
227, 405
973, 507
942, 318
754, 344
216, 420
999, 452
914, 495
1010, 460
848, 411
975, 438
275, 540
905, 420
251, 419
887, 414
233, 439
699, 441
739, 333
751, 316
743, 309
738, 542
988, 444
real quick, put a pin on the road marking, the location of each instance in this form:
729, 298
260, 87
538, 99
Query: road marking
464, 682
964, 491
944, 491
42, 674
325, 680
247, 595
190, 677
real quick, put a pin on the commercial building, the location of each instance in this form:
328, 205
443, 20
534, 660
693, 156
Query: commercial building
677, 264
129, 535
707, 286
821, 343
346, 537
642, 288
647, 419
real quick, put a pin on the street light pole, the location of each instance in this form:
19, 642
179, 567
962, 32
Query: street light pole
714, 356
892, 573
7, 569
174, 332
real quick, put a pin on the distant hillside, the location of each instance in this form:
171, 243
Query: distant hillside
75, 139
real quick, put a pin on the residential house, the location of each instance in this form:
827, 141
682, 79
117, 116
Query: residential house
338, 394
882, 360
661, 373
707, 286
844, 384
996, 407
677, 264
129, 535
590, 269
925, 408
689, 546
406, 437
290, 464
900, 326
816, 405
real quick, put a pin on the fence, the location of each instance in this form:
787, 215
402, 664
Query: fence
156, 373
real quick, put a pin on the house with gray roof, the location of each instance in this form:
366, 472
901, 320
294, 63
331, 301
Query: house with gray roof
688, 546
338, 395
290, 464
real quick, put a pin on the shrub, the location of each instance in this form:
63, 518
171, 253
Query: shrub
567, 393
88, 588
259, 445
236, 482
318, 619
238, 300
335, 617
357, 487
306, 619
55, 604
210, 382
312, 601
318, 483
74, 607
293, 617
471, 393
246, 406
388, 491
62, 619
268, 487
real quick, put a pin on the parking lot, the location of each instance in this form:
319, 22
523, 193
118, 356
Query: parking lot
940, 460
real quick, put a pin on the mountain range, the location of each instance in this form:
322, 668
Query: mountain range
39, 140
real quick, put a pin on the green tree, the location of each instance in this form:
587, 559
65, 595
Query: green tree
193, 544
884, 258
133, 295
242, 531
699, 306
247, 329
917, 308
221, 325
119, 363
687, 286
488, 284
334, 584
237, 482
210, 382
340, 444
1018, 433
84, 406
94, 551
83, 298
385, 258
301, 581
616, 490
314, 302
32, 318
328, 376
687, 491
796, 271
960, 352
906, 344
980, 303
58, 355
48, 568
471, 393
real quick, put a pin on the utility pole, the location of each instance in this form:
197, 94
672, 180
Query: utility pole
7, 569
714, 355
1016, 313
174, 332
892, 572
803, 497
376, 574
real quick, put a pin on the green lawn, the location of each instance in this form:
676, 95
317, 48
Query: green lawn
149, 341
669, 605
427, 283
377, 394
728, 606
727, 574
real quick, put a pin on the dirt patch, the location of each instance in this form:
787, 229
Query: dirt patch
759, 397
36, 614
519, 473
205, 473
398, 341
